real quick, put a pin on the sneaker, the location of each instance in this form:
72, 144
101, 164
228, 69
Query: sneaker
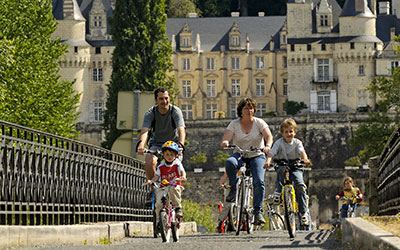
178, 212
231, 196
149, 198
259, 219
304, 219
277, 197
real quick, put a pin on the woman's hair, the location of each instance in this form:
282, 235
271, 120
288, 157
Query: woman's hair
348, 178
246, 101
289, 123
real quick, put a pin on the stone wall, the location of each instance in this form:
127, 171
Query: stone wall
325, 140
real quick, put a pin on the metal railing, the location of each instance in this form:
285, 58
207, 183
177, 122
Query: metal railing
389, 176
51, 180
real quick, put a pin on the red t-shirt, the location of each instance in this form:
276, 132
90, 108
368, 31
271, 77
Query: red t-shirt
169, 172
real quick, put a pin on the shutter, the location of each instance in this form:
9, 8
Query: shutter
313, 101
333, 101
389, 68
330, 69
315, 69
91, 112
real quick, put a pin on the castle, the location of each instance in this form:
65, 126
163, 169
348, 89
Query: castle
319, 54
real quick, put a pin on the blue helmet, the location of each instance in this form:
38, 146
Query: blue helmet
170, 145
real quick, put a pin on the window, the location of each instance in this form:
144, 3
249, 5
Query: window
392, 65
233, 110
285, 87
210, 110
260, 87
323, 46
292, 48
324, 101
98, 50
351, 45
235, 63
185, 42
323, 70
210, 63
186, 89
211, 88
261, 109
97, 75
285, 62
362, 98
187, 112
324, 20
235, 41
259, 62
185, 64
308, 47
361, 70
97, 21
235, 87
98, 111
75, 49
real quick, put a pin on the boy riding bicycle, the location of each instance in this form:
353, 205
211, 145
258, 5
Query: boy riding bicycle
349, 191
170, 170
289, 148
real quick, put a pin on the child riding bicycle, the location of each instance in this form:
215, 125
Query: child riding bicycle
349, 191
289, 148
170, 170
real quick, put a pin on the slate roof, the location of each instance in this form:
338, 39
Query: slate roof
349, 9
214, 31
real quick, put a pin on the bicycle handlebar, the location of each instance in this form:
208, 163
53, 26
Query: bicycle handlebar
291, 163
241, 150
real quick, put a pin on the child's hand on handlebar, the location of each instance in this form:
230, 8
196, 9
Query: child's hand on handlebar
224, 144
337, 197
147, 183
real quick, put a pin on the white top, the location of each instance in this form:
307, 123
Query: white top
287, 151
252, 139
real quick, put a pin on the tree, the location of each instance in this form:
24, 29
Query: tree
221, 158
370, 138
293, 108
181, 8
32, 93
142, 55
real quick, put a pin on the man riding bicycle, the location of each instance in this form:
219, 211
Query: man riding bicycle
165, 121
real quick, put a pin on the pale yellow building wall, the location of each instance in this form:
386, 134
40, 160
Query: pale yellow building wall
69, 29
360, 26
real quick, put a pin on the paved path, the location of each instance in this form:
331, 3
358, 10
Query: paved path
319, 239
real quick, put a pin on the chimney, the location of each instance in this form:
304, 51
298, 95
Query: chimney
272, 44
392, 33
384, 8
372, 6
261, 13
192, 15
235, 14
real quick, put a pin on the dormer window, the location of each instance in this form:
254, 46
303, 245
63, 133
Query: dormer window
97, 21
185, 38
324, 17
234, 37
324, 20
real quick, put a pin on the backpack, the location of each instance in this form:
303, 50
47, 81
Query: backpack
153, 123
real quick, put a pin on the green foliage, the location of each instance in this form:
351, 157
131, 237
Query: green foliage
353, 161
292, 108
31, 91
142, 55
198, 158
181, 8
221, 158
202, 215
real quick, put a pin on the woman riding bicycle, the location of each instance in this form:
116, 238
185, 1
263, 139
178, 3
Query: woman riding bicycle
248, 131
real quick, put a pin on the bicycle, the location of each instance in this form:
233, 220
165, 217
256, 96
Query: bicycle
351, 205
168, 222
228, 223
289, 196
275, 220
244, 184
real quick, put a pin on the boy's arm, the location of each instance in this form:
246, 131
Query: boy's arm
304, 157
268, 161
341, 194
182, 175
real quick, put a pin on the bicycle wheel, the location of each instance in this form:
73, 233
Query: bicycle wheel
240, 209
165, 231
249, 218
233, 219
275, 222
155, 231
289, 212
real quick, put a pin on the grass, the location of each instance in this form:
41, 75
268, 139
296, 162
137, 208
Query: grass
387, 223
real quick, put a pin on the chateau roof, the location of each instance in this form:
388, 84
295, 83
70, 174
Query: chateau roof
57, 10
214, 31
383, 25
349, 9
342, 39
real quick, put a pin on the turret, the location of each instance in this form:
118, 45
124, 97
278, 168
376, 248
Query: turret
357, 19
